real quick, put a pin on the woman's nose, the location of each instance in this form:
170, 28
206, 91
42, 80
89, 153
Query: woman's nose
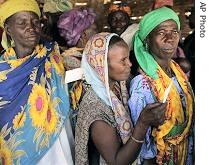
31, 26
129, 63
169, 35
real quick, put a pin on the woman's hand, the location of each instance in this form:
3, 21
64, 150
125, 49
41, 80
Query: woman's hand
153, 115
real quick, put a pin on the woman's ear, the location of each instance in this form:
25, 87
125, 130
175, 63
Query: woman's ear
146, 43
8, 35
7, 29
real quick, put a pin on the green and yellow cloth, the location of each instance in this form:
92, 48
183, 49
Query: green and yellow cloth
146, 25
165, 139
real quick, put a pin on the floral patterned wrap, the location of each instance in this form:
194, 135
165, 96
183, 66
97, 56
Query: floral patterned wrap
94, 64
34, 103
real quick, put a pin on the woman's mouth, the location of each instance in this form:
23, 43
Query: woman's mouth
169, 50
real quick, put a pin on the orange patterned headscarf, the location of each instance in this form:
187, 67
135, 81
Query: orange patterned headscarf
121, 6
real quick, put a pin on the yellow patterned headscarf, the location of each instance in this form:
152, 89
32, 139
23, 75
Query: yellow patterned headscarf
10, 7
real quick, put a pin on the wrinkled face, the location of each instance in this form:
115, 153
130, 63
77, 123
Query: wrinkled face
118, 62
119, 22
24, 28
164, 39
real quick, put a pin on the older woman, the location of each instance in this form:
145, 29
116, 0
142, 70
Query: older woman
34, 102
154, 45
104, 131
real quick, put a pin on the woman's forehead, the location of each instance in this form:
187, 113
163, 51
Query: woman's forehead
24, 14
119, 13
166, 24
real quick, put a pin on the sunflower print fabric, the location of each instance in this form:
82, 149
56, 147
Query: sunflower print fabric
34, 103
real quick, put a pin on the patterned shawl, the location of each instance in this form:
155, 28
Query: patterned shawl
175, 130
94, 64
34, 103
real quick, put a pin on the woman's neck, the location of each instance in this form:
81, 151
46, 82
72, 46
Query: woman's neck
23, 52
111, 84
114, 88
165, 65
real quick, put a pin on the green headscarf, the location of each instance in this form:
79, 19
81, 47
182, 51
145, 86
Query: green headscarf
149, 22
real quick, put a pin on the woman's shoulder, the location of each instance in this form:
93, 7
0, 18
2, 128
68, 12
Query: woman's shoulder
90, 96
92, 108
92, 104
72, 58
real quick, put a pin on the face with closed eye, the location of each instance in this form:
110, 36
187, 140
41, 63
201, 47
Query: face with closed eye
163, 40
24, 28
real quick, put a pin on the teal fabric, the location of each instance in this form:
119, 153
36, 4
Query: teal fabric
30, 103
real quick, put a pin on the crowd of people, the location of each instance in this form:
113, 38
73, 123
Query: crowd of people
133, 104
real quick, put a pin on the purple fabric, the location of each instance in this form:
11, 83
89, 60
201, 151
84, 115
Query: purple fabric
71, 24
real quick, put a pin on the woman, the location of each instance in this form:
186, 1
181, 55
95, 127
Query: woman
155, 45
76, 27
104, 131
52, 10
34, 102
120, 23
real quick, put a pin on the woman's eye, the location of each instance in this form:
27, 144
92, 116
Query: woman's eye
20, 23
161, 33
36, 22
175, 32
124, 61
